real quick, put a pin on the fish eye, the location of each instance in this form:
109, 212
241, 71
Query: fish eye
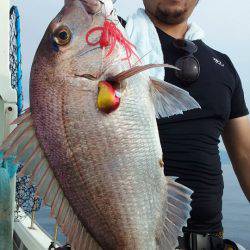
62, 36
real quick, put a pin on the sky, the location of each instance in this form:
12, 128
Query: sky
225, 22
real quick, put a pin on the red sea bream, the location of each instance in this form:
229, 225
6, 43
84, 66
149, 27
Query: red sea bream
90, 138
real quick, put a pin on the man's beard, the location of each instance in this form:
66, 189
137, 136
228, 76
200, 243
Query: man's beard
171, 17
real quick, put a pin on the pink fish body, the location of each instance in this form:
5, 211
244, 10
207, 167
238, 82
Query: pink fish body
100, 173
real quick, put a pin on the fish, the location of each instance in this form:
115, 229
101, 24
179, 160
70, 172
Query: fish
89, 139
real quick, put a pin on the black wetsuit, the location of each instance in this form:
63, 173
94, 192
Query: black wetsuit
190, 141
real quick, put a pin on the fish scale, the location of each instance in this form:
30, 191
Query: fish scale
133, 162
101, 173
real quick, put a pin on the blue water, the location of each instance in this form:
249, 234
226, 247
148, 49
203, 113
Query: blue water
236, 209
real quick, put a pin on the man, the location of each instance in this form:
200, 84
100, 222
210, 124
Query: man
190, 141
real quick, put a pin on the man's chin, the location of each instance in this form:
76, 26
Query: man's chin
174, 12
171, 18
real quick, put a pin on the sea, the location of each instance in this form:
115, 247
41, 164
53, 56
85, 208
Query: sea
236, 209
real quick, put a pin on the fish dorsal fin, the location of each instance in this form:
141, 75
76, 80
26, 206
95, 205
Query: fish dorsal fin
23, 144
170, 100
177, 210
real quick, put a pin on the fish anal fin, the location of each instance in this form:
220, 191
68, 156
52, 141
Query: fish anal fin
170, 100
177, 210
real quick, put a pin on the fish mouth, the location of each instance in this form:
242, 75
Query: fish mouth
104, 72
87, 76
88, 51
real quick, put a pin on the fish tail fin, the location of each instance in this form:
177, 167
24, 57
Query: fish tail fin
177, 210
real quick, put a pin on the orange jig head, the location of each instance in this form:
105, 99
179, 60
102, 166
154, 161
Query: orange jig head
108, 97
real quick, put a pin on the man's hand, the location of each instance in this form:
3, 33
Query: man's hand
236, 137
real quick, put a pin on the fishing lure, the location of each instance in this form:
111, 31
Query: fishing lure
108, 97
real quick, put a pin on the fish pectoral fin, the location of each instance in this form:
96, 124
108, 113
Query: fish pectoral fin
177, 210
170, 100
22, 147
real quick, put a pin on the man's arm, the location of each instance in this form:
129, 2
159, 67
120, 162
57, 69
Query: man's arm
236, 137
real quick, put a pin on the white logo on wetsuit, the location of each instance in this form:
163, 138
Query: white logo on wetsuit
218, 62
